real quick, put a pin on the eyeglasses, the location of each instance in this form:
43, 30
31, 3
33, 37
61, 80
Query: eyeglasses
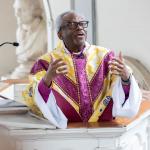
74, 25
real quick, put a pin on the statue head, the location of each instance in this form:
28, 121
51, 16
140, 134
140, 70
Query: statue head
27, 10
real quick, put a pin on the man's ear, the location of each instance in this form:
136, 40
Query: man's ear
59, 34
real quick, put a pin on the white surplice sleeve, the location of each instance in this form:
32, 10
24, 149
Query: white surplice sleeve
50, 110
131, 107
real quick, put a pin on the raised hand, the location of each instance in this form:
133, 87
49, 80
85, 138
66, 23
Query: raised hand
118, 67
55, 68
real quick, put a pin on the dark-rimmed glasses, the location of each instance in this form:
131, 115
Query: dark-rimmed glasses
74, 25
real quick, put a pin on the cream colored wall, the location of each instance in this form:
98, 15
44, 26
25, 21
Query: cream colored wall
7, 33
125, 25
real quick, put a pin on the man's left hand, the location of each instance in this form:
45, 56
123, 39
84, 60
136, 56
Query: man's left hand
118, 67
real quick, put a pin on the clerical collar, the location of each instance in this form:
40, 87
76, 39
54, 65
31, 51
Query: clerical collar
82, 52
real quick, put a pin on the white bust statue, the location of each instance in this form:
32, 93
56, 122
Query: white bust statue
31, 35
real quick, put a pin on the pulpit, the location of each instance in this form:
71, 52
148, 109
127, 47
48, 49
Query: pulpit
119, 134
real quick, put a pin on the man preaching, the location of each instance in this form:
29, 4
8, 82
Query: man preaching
79, 82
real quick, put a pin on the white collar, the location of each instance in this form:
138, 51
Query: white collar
87, 45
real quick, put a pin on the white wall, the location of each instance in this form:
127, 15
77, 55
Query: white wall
125, 25
57, 7
88, 12
7, 33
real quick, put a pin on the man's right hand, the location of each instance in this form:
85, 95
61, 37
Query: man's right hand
55, 68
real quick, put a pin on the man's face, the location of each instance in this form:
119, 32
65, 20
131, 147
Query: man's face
73, 30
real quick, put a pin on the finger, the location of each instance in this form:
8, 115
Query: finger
115, 73
120, 56
62, 68
57, 61
62, 64
117, 60
116, 64
62, 72
114, 68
